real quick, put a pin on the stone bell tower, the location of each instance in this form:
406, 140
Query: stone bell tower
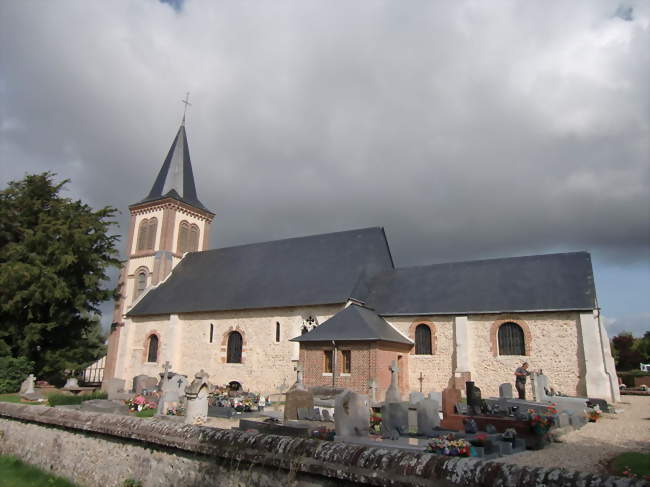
165, 225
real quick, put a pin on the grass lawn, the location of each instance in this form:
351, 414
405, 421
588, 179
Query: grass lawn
15, 397
146, 413
14, 473
633, 462
10, 397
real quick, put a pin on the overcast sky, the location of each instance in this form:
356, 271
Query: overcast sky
467, 129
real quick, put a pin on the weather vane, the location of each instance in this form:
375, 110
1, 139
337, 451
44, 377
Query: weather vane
187, 103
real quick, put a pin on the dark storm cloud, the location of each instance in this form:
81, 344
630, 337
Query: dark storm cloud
466, 129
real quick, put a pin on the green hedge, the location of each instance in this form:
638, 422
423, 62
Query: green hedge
59, 399
13, 372
628, 376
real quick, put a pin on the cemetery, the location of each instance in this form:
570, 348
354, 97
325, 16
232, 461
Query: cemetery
335, 435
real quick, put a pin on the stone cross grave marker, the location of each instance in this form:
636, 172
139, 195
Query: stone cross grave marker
300, 369
392, 393
373, 390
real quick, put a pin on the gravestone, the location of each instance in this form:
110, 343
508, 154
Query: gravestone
392, 393
351, 414
428, 417
297, 398
474, 401
415, 397
505, 390
563, 419
372, 386
539, 382
196, 395
115, 388
298, 385
436, 396
394, 420
144, 382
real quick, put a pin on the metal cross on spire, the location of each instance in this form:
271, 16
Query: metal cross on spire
187, 103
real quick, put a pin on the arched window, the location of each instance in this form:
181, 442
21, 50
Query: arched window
234, 348
277, 331
152, 352
422, 340
140, 283
511, 339
147, 234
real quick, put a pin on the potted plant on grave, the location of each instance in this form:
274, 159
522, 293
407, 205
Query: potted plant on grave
540, 423
481, 439
375, 423
448, 445
594, 414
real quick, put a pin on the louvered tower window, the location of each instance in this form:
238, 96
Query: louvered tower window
233, 355
511, 339
422, 340
140, 283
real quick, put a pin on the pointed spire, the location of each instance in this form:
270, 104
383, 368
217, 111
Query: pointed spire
175, 179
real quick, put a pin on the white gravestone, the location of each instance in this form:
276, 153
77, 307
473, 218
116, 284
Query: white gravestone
428, 417
196, 395
351, 414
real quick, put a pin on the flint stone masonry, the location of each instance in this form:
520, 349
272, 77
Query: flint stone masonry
99, 450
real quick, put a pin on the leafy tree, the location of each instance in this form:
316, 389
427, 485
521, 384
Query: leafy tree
643, 347
628, 357
54, 254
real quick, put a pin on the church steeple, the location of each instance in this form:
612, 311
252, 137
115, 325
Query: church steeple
175, 179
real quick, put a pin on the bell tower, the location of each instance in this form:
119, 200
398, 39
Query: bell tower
166, 224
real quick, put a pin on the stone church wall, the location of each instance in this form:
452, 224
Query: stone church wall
553, 344
267, 365
436, 369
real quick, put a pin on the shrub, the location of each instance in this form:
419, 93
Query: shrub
13, 372
628, 376
60, 399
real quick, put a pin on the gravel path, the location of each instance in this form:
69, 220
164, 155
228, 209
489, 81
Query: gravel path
591, 447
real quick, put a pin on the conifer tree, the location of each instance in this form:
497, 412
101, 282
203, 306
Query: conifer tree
54, 257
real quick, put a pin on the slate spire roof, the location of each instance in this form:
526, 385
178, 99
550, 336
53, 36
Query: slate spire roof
175, 179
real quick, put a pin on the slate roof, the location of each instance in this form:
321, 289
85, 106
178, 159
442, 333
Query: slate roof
550, 282
175, 179
354, 323
319, 269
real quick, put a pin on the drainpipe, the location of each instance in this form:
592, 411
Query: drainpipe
333, 363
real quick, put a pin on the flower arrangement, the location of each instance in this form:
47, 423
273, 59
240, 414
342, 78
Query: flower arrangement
481, 439
139, 403
594, 414
450, 446
541, 423
375, 422
323, 433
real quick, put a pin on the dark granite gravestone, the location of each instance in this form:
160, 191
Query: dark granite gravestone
220, 412
297, 398
474, 401
144, 382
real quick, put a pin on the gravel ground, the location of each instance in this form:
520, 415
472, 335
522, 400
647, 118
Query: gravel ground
591, 447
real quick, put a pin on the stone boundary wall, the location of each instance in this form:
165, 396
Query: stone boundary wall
96, 449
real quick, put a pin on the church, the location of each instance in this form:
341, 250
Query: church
337, 305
